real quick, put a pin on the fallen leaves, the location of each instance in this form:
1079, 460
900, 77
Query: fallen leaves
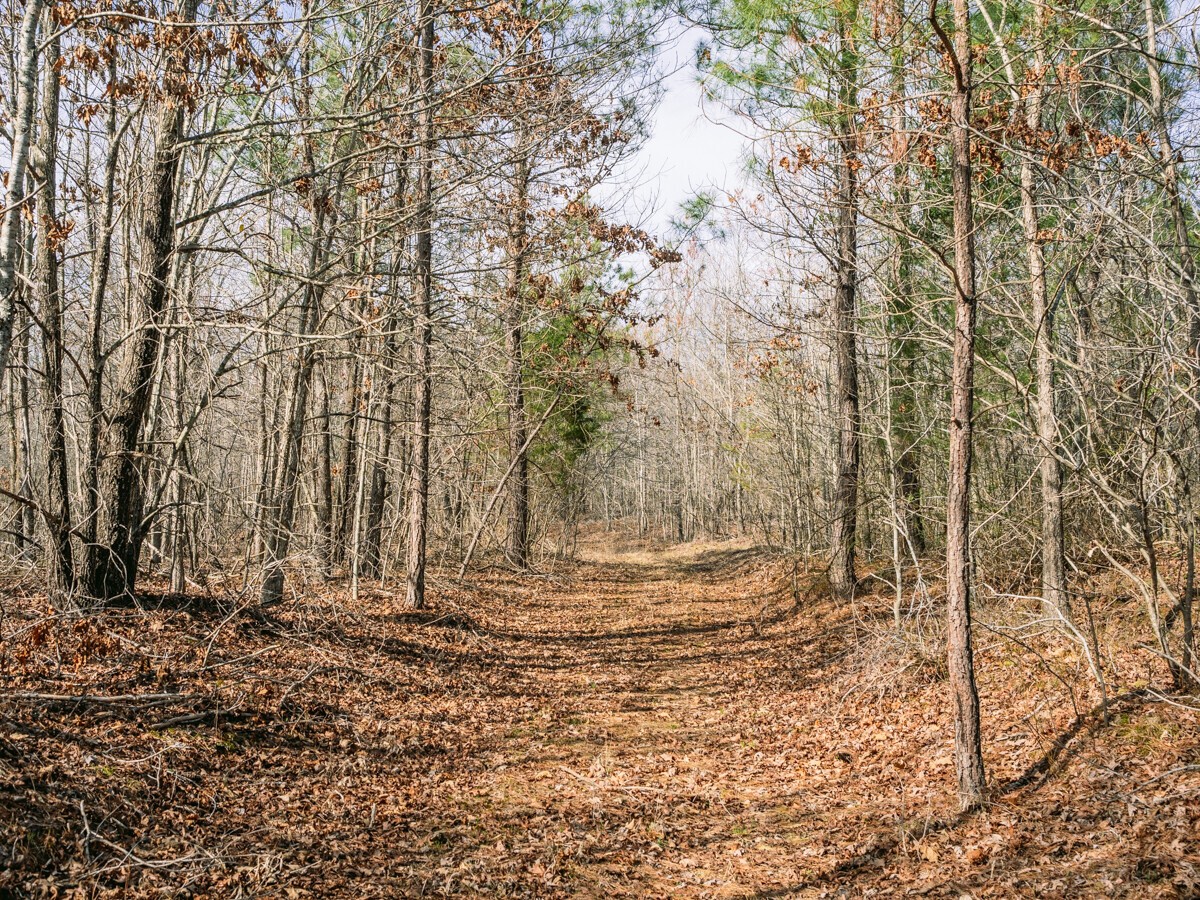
635, 726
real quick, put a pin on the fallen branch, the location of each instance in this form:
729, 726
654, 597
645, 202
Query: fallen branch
94, 698
193, 718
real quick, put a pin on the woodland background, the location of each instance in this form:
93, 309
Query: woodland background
312, 299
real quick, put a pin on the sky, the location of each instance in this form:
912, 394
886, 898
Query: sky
693, 145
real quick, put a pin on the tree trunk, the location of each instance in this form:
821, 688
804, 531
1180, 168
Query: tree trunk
349, 466
1184, 675
379, 484
22, 134
378, 491
842, 576
60, 565
324, 482
280, 514
26, 519
968, 747
905, 351
120, 486
418, 488
177, 545
102, 233
514, 315
1054, 565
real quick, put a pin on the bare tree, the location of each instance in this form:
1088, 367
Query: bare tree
113, 562
842, 575
968, 744
418, 488
514, 318
22, 138
60, 565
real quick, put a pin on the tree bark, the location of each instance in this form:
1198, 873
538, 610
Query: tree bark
324, 482
120, 483
60, 565
176, 522
102, 233
349, 467
26, 523
1054, 564
22, 135
418, 487
1183, 673
842, 575
514, 316
281, 509
906, 432
968, 746
280, 514
379, 483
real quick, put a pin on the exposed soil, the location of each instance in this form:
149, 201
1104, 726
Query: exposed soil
694, 722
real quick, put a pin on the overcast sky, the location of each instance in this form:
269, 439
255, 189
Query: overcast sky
692, 147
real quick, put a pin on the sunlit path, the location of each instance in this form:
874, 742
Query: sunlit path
687, 722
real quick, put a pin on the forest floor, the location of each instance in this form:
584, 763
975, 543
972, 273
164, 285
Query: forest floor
691, 722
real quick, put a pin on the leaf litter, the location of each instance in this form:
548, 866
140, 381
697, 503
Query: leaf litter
689, 722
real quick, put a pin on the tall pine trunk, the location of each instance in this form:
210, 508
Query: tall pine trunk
968, 745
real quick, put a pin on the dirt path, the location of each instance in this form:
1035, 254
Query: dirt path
685, 728
641, 762
642, 724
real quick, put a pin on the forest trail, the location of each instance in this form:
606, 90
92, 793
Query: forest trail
637, 764
642, 723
